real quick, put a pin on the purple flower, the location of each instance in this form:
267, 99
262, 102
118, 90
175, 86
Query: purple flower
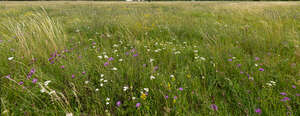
83, 72
137, 105
175, 97
62, 66
32, 71
214, 107
155, 68
230, 60
180, 89
126, 53
285, 99
256, 58
106, 63
8, 76
21, 83
297, 94
132, 50
166, 96
144, 65
110, 59
258, 111
135, 54
239, 65
34, 80
294, 86
118, 103
261, 69
283, 93
241, 72
73, 76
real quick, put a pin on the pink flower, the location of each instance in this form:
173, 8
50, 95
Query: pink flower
118, 103
283, 93
137, 105
261, 69
285, 99
62, 67
106, 63
214, 107
34, 80
258, 111
180, 88
73, 76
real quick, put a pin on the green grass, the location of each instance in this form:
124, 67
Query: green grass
214, 51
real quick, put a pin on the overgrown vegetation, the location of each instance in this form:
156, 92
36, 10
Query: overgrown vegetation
205, 58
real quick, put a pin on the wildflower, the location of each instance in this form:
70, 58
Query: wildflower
125, 88
73, 76
283, 93
155, 68
83, 72
46, 82
285, 99
10, 58
105, 56
86, 82
100, 57
110, 59
143, 96
114, 68
146, 89
180, 89
203, 77
138, 105
202, 58
214, 107
297, 94
96, 89
135, 54
172, 76
32, 71
152, 77
69, 114
118, 103
256, 65
106, 63
256, 58
51, 92
34, 80
120, 60
43, 90
21, 83
133, 98
188, 76
293, 86
62, 67
230, 60
102, 75
261, 69
258, 111
166, 96
8, 76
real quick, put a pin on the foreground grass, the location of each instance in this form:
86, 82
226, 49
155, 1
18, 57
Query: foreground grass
98, 58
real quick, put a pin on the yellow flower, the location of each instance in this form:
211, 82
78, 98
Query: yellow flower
188, 76
169, 86
143, 96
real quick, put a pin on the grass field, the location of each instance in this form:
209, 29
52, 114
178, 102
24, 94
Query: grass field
163, 58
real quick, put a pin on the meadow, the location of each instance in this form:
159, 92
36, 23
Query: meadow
148, 59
